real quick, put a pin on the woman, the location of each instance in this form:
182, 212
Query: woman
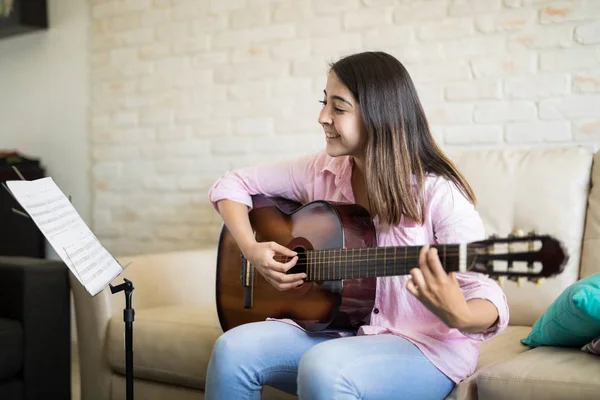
424, 332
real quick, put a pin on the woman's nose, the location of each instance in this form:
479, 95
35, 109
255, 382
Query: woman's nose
324, 116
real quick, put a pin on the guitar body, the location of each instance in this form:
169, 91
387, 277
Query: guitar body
317, 305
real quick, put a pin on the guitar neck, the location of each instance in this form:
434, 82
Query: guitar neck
335, 264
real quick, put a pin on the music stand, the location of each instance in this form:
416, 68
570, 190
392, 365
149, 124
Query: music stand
128, 312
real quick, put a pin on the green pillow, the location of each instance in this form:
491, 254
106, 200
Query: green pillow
573, 319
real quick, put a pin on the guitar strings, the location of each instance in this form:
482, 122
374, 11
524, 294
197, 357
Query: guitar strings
391, 261
323, 262
330, 259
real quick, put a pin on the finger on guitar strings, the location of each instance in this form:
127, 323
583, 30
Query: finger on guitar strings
418, 279
424, 264
283, 265
278, 271
435, 264
282, 249
283, 281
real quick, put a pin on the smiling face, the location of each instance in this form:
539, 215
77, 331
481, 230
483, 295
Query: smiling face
341, 120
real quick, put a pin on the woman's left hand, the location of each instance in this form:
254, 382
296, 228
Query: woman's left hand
437, 290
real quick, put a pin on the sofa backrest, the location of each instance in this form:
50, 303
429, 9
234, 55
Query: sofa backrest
590, 257
543, 189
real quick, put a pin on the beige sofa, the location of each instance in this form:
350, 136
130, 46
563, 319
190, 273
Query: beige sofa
553, 190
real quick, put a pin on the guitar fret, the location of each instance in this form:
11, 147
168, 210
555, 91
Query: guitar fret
341, 263
311, 262
355, 253
331, 265
358, 259
314, 263
327, 265
337, 271
346, 266
308, 266
361, 265
331, 268
339, 259
319, 271
318, 265
375, 263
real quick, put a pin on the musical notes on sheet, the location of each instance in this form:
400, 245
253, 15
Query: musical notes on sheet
66, 232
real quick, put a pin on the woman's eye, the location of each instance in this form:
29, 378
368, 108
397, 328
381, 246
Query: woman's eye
336, 109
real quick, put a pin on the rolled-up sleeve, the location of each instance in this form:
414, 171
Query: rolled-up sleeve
286, 178
479, 286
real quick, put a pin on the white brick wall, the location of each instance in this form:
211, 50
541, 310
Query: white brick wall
183, 90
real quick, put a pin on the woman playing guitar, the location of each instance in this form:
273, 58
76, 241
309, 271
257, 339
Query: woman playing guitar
424, 331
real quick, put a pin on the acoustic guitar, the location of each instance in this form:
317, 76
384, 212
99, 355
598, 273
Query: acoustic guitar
336, 246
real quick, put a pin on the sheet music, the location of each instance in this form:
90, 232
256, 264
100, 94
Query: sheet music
66, 232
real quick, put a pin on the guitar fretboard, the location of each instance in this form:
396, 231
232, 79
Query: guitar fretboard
334, 264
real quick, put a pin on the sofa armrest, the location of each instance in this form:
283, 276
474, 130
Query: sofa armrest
169, 279
35, 292
161, 279
92, 315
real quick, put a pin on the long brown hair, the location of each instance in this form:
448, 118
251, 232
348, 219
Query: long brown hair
399, 144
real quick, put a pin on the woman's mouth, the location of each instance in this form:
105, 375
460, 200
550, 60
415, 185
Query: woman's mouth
331, 135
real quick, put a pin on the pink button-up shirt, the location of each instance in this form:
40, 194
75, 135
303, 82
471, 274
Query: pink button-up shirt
450, 218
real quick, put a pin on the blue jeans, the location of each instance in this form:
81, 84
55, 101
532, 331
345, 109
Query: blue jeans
319, 366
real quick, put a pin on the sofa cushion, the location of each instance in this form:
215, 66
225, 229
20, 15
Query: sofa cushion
500, 348
542, 189
543, 373
170, 344
590, 257
11, 348
573, 319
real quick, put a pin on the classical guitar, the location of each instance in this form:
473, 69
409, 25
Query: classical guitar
336, 247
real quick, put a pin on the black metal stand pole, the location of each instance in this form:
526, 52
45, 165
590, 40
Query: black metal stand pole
128, 316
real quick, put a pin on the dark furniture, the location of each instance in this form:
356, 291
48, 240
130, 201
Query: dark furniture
19, 236
35, 331
22, 16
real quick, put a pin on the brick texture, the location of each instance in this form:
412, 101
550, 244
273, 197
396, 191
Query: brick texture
182, 91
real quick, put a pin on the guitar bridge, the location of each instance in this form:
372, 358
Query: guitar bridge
246, 279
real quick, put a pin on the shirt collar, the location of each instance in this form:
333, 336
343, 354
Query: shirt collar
339, 166
342, 165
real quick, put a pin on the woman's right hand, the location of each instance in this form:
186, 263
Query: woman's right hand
262, 256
